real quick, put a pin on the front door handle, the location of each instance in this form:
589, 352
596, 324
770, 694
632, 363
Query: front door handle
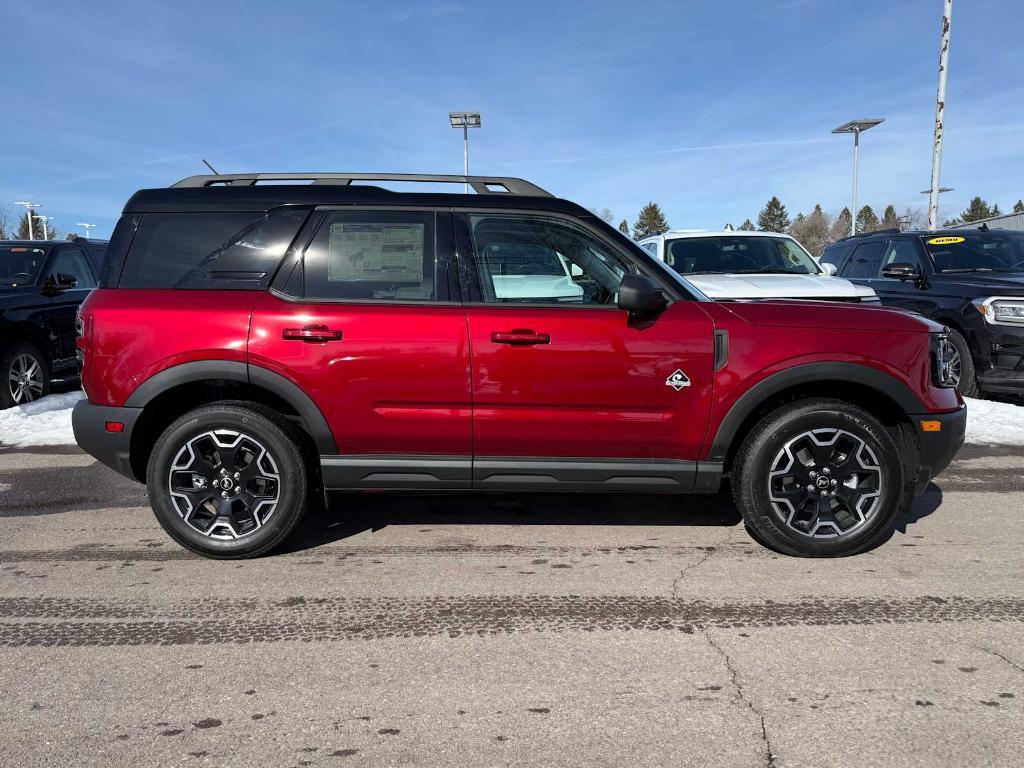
520, 337
311, 333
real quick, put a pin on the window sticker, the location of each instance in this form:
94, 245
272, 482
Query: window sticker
948, 240
375, 253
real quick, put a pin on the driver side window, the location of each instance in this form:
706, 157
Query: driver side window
535, 259
73, 263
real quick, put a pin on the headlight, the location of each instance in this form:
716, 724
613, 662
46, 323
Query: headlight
943, 355
1001, 311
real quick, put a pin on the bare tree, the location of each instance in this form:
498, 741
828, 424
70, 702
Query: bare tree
6, 219
603, 213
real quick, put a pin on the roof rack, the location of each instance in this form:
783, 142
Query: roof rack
482, 185
889, 231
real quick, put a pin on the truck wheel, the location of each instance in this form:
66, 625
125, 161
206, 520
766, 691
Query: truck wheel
24, 375
228, 480
819, 478
962, 365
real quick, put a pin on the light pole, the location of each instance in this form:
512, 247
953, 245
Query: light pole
46, 232
465, 121
940, 117
857, 127
28, 210
85, 226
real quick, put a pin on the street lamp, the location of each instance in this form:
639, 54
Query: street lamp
87, 227
857, 127
28, 209
44, 219
465, 121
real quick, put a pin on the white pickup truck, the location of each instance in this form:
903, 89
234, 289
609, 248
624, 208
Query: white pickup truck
752, 265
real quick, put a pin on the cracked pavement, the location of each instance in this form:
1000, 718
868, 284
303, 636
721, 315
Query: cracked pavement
528, 630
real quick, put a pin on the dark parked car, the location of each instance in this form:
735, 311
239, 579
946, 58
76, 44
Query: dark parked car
972, 281
251, 344
42, 284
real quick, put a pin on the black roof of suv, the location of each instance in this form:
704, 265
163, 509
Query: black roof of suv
972, 280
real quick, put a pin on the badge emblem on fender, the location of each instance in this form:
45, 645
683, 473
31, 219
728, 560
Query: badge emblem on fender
677, 380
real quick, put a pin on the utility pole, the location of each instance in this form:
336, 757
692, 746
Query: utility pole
46, 232
28, 211
857, 127
465, 121
940, 117
86, 227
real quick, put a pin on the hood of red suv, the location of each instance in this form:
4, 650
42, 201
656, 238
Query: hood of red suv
828, 315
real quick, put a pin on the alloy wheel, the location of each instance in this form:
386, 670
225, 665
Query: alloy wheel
224, 484
25, 379
953, 362
825, 483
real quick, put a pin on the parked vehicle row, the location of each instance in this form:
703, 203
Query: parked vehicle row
42, 284
251, 344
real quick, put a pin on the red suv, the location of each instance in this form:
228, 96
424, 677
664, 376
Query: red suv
253, 343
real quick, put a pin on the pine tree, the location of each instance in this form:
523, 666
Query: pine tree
812, 231
624, 227
651, 221
890, 219
842, 226
996, 211
773, 217
747, 226
1018, 207
37, 228
977, 209
867, 221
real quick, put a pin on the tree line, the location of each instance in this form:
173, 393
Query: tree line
17, 229
818, 228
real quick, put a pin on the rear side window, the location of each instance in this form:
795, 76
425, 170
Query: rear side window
210, 250
372, 256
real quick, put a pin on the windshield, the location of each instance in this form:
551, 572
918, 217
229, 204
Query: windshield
738, 255
20, 264
993, 251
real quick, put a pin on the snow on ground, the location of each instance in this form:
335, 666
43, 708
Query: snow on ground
48, 422
45, 422
990, 422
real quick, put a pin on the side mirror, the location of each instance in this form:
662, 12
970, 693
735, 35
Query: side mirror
58, 282
901, 271
639, 295
829, 269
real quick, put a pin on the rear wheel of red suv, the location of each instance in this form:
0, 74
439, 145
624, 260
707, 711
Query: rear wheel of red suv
819, 478
228, 480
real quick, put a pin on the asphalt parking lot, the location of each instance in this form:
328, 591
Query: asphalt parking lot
516, 630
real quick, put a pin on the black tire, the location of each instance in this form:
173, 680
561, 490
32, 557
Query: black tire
14, 355
968, 384
781, 440
257, 531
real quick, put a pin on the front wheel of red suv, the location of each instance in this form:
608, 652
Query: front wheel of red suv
819, 478
228, 480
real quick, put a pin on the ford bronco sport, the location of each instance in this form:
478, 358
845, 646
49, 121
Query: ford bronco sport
251, 344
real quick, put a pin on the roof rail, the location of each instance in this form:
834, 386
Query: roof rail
889, 231
482, 185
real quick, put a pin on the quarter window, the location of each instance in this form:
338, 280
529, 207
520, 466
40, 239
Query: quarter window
372, 255
534, 259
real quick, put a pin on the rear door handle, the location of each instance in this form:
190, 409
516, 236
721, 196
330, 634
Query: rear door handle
311, 333
520, 337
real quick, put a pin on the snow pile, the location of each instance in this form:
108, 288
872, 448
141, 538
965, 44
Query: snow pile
990, 422
46, 421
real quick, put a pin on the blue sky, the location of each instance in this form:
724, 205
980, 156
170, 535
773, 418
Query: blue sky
708, 108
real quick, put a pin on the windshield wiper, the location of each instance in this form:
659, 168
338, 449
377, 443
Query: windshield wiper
769, 270
967, 269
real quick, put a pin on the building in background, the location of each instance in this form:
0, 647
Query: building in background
1006, 221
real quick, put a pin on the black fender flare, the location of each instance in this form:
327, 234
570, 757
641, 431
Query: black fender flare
231, 370
845, 373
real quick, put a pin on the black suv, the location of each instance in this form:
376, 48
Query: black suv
42, 283
971, 280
